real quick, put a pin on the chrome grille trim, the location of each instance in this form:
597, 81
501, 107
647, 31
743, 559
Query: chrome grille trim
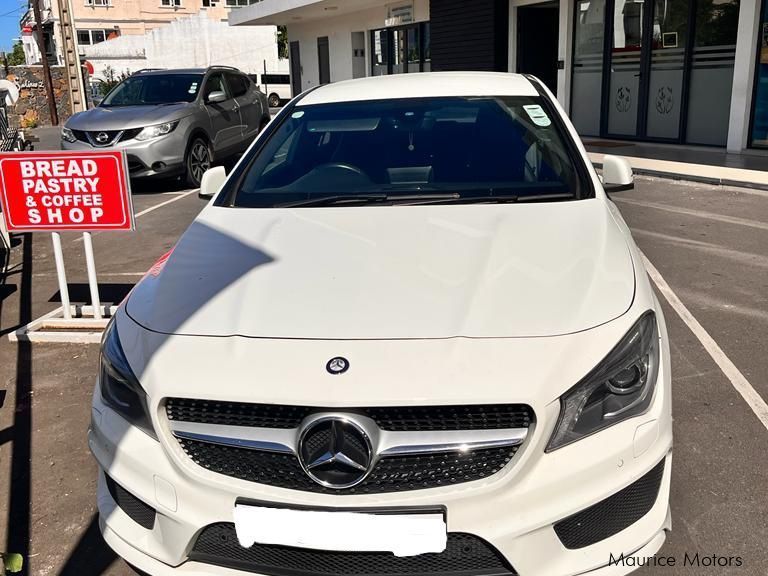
386, 443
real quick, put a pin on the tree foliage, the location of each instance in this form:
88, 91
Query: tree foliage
16, 57
282, 42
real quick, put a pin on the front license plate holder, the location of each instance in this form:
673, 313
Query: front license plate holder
406, 531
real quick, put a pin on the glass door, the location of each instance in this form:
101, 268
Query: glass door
625, 86
667, 69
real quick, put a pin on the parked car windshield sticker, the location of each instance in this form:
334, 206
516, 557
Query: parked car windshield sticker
193, 88
537, 114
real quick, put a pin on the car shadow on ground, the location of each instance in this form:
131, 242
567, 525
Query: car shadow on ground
91, 556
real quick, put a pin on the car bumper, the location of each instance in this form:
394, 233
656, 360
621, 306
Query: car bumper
514, 510
159, 157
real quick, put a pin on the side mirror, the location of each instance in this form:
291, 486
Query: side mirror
212, 181
617, 174
216, 96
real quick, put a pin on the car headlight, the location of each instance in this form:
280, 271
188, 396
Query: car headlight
155, 131
120, 389
619, 387
67, 135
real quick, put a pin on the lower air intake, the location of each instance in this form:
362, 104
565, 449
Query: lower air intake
613, 514
465, 555
138, 511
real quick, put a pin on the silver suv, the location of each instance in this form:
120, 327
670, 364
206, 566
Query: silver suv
173, 122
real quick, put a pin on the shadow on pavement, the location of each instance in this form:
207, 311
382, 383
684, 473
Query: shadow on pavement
79, 292
91, 556
20, 434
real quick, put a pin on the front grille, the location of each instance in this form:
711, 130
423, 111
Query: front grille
138, 511
465, 555
392, 474
400, 418
431, 418
612, 515
89, 137
235, 413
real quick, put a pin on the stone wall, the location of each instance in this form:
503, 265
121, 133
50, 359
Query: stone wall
31, 109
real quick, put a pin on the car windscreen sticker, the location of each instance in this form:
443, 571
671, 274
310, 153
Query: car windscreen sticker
298, 114
193, 88
537, 115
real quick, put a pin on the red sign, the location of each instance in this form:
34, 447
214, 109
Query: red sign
60, 191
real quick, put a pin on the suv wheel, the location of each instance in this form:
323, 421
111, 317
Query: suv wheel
198, 161
274, 100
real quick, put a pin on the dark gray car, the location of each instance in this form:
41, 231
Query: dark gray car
173, 122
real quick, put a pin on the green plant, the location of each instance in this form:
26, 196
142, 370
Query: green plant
11, 563
111, 79
16, 57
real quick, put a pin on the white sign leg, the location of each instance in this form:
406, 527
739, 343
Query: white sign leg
62, 275
93, 283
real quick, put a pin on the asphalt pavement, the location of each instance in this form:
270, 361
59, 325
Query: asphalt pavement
707, 243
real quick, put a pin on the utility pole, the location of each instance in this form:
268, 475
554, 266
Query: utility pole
46, 66
74, 71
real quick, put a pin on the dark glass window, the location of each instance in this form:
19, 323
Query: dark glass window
238, 84
83, 37
760, 115
454, 146
152, 89
98, 36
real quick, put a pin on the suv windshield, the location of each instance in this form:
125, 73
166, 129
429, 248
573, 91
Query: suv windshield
436, 150
154, 89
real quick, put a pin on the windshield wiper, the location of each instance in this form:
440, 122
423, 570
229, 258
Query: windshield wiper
502, 198
367, 199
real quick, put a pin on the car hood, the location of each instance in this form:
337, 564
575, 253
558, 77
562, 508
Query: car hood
478, 271
127, 117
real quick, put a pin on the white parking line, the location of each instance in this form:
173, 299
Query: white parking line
739, 382
695, 213
161, 204
150, 209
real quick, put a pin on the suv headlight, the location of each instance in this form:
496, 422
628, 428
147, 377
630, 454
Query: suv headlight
67, 135
120, 389
619, 387
157, 130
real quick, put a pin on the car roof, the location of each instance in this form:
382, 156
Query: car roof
165, 72
422, 85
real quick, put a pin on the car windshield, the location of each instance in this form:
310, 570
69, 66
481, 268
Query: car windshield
435, 150
154, 89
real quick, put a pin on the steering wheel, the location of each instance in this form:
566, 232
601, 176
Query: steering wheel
335, 174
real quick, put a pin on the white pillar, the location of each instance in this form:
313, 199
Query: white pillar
565, 53
512, 37
743, 75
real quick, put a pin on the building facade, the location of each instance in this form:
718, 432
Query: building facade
691, 72
100, 20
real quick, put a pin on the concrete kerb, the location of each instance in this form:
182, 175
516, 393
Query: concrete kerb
698, 173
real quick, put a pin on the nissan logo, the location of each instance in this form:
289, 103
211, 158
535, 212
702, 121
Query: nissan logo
102, 137
335, 452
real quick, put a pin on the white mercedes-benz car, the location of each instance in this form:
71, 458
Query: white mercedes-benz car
410, 335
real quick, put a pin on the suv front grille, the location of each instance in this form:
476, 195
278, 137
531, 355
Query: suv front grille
392, 474
400, 418
465, 555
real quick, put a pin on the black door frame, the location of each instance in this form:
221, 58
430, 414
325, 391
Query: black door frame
547, 4
390, 32
294, 62
646, 56
323, 48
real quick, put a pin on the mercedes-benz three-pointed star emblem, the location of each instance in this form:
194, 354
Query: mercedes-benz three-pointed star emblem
335, 452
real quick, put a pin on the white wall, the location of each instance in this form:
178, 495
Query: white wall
339, 30
191, 42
